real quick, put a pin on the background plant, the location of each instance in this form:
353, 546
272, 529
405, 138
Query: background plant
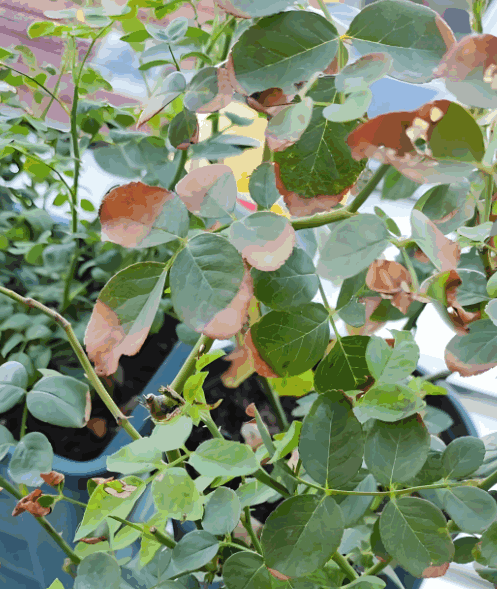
370, 486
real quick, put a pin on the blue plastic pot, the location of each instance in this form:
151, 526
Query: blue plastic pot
29, 558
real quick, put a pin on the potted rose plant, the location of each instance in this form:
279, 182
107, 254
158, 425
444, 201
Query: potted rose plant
360, 483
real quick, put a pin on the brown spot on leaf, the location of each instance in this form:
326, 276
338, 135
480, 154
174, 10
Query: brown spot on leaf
277, 575
94, 540
270, 101
127, 213
369, 327
230, 68
469, 53
106, 341
52, 478
390, 139
224, 95
391, 278
300, 206
261, 366
101, 480
30, 504
124, 493
458, 315
98, 426
230, 321
435, 571
194, 187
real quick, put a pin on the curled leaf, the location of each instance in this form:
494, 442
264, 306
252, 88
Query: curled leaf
414, 142
230, 320
95, 540
123, 493
209, 191
393, 281
52, 478
137, 216
271, 101
30, 503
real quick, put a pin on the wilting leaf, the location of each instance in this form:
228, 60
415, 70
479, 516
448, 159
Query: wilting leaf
414, 532
264, 58
395, 452
331, 442
270, 102
173, 86
404, 140
291, 343
415, 50
264, 239
360, 74
442, 252
293, 284
205, 278
60, 400
183, 130
209, 191
208, 91
475, 352
393, 280
141, 216
253, 8
30, 503
123, 314
287, 127
470, 68
352, 246
301, 534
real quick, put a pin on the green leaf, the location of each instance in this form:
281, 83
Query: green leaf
145, 454
102, 504
353, 107
175, 493
173, 85
9, 345
363, 72
204, 93
286, 126
13, 384
367, 582
457, 136
32, 456
254, 8
388, 26
223, 458
462, 457
193, 551
395, 452
295, 386
41, 29
302, 534
264, 239
436, 420
320, 162
414, 532
123, 314
331, 442
431, 472
292, 285
475, 352
352, 246
254, 492
354, 313
98, 571
245, 570
6, 440
174, 32
262, 185
56, 585
182, 129
345, 367
397, 186
207, 359
471, 508
222, 512
281, 50
488, 547
292, 343
442, 252
204, 279
123, 538
354, 507
464, 546
60, 400
388, 402
392, 365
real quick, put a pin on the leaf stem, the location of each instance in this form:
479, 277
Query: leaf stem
275, 401
343, 563
247, 524
487, 483
378, 567
162, 538
489, 184
324, 8
24, 420
411, 270
82, 357
181, 166
363, 195
320, 219
239, 546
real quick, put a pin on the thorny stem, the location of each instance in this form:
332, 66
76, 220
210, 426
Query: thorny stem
82, 357
43, 523
247, 524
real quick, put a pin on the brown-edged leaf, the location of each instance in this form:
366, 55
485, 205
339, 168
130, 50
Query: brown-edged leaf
30, 503
138, 216
95, 540
270, 102
264, 239
209, 91
369, 327
392, 280
470, 52
435, 571
404, 140
209, 191
125, 491
287, 127
123, 315
52, 478
443, 253
230, 320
